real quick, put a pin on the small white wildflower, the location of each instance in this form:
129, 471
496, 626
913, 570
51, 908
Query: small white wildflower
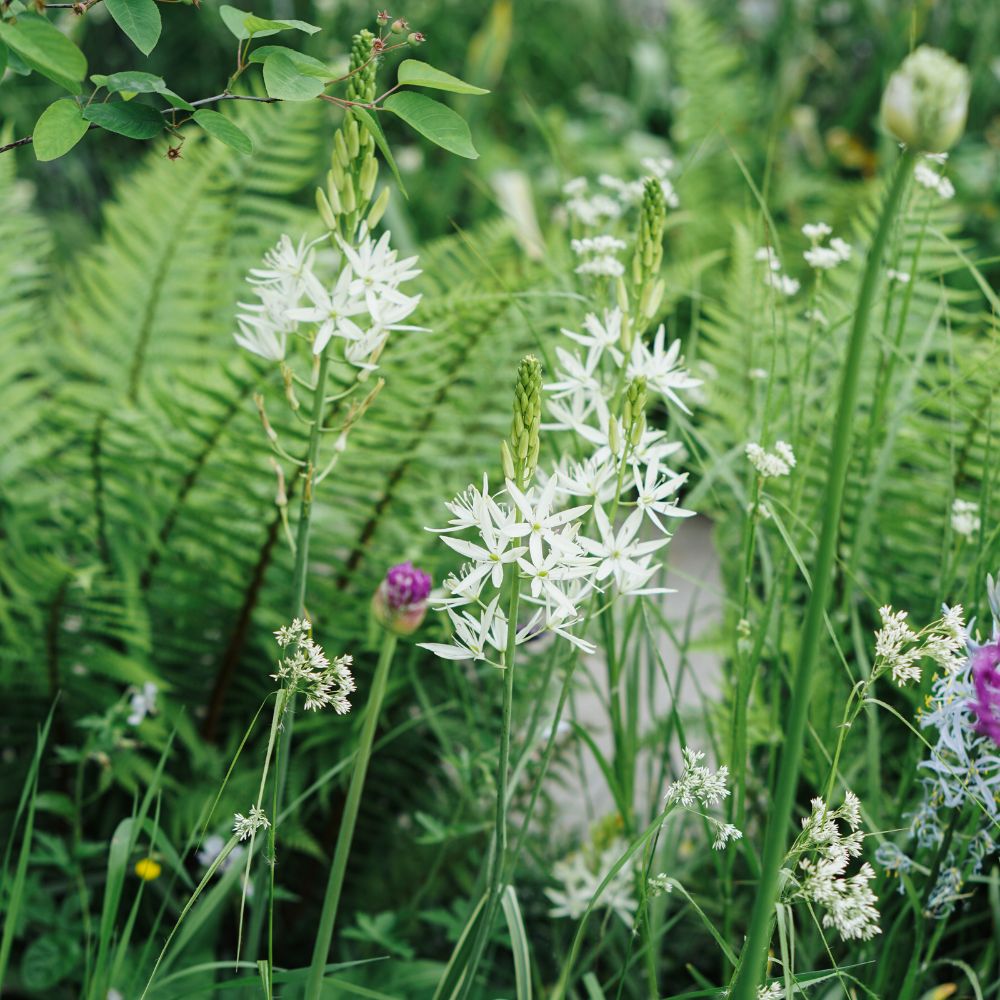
758, 374
822, 258
782, 283
659, 885
142, 703
308, 670
581, 873
825, 854
965, 520
724, 833
929, 178
597, 245
816, 232
605, 267
772, 992
768, 256
247, 826
697, 783
771, 464
841, 248
902, 277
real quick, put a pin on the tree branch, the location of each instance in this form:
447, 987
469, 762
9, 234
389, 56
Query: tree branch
197, 104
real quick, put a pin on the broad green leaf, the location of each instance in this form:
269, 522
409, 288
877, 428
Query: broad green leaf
46, 49
130, 79
434, 121
59, 128
3, 58
306, 65
176, 100
243, 24
137, 121
414, 73
218, 126
131, 82
283, 80
371, 123
139, 19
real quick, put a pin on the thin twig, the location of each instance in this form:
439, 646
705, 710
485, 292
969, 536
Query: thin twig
196, 104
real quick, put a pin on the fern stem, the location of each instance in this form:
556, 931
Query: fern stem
754, 955
335, 883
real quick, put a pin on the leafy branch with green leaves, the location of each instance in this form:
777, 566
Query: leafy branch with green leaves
30, 43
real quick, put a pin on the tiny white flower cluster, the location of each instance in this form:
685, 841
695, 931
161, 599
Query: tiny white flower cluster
824, 257
247, 826
824, 855
771, 464
773, 991
308, 670
614, 195
599, 255
360, 307
659, 885
142, 703
965, 519
899, 649
774, 277
902, 277
926, 176
581, 873
698, 784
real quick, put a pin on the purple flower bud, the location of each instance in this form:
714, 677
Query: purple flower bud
986, 677
400, 602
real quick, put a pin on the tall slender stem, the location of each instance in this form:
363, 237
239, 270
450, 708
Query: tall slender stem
498, 858
754, 953
335, 883
299, 578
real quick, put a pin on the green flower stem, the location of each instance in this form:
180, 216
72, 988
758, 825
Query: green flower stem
498, 858
754, 955
335, 883
299, 578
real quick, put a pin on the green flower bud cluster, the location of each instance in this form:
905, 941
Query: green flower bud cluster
634, 410
649, 251
353, 170
926, 101
520, 454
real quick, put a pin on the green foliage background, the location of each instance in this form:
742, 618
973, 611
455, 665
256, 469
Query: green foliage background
139, 539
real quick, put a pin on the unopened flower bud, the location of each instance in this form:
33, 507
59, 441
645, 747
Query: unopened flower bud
652, 296
325, 209
634, 410
415, 38
366, 181
507, 461
400, 603
361, 80
399, 26
926, 101
524, 437
649, 245
353, 138
378, 209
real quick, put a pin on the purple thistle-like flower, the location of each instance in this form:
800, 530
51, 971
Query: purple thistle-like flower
405, 585
400, 602
986, 678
